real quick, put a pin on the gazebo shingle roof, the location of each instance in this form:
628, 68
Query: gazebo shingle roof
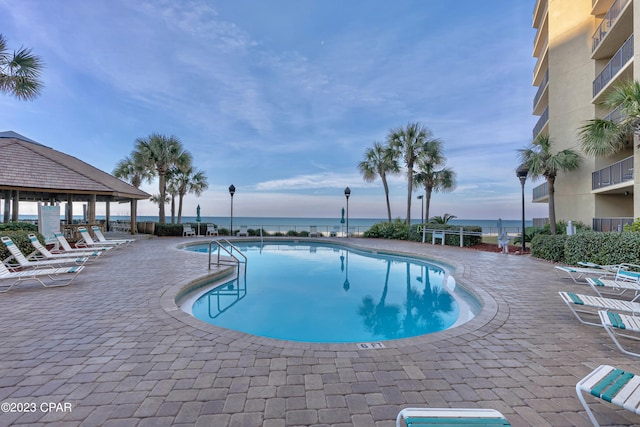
33, 168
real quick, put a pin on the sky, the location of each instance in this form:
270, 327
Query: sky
282, 98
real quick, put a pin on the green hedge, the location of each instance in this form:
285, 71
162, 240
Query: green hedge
449, 238
588, 246
398, 230
14, 226
548, 247
21, 240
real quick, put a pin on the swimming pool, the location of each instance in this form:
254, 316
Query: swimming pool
313, 292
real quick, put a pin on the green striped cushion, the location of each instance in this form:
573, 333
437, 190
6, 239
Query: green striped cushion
575, 298
610, 385
616, 320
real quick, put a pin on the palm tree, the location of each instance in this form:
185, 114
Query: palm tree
600, 137
541, 162
189, 180
444, 219
408, 143
135, 173
379, 161
172, 191
433, 179
20, 72
159, 153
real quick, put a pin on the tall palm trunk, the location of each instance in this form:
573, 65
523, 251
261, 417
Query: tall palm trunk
386, 195
163, 194
552, 204
180, 196
427, 204
409, 192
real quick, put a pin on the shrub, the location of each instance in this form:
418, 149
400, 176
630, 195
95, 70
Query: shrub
549, 247
396, 230
603, 248
21, 240
633, 227
168, 229
14, 226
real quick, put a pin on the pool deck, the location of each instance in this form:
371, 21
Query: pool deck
115, 347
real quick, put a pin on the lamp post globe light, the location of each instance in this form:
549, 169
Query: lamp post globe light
232, 191
522, 173
347, 193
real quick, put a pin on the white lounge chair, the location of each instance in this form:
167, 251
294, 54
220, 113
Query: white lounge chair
88, 242
101, 239
187, 230
414, 417
611, 286
67, 275
22, 261
611, 385
41, 252
66, 247
212, 230
621, 325
579, 274
244, 231
577, 303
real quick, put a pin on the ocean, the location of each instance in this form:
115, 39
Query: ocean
283, 224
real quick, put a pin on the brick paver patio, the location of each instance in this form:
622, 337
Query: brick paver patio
114, 348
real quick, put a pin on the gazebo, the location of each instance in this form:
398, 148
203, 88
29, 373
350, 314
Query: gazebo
34, 172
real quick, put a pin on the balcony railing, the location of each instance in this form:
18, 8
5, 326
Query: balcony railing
540, 91
610, 224
544, 118
616, 173
615, 115
619, 60
541, 191
609, 20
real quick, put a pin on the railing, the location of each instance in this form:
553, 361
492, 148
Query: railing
543, 85
610, 224
541, 191
619, 60
540, 222
608, 22
616, 173
615, 115
221, 247
544, 118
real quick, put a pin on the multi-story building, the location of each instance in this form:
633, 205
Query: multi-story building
583, 49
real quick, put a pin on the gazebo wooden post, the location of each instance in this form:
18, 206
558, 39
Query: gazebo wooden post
16, 202
134, 214
7, 206
91, 215
69, 214
107, 227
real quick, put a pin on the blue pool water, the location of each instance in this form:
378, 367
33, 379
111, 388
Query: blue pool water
312, 292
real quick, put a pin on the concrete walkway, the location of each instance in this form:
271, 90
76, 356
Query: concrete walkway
112, 349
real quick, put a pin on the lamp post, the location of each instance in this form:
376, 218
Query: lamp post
347, 193
421, 198
522, 173
232, 191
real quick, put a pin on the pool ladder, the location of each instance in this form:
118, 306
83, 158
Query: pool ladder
236, 258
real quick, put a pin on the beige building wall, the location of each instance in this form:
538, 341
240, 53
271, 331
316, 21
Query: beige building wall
569, 26
571, 72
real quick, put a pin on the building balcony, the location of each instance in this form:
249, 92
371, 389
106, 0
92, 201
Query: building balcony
615, 115
607, 39
542, 122
623, 56
542, 65
542, 90
540, 12
541, 193
617, 173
